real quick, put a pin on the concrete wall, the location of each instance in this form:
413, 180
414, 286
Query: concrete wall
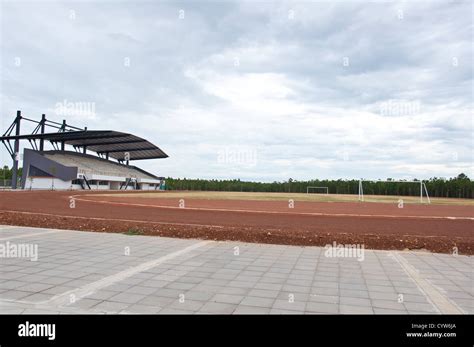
47, 183
146, 186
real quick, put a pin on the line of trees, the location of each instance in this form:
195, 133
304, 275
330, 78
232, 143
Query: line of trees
6, 173
456, 187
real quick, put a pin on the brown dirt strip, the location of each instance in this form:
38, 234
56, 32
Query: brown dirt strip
51, 210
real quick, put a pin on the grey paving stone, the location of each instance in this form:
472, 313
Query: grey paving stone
343, 300
214, 282
272, 294
227, 298
415, 298
239, 284
389, 304
319, 307
39, 311
298, 306
198, 295
141, 290
153, 283
296, 289
12, 284
142, 309
272, 280
279, 311
457, 295
217, 307
324, 291
381, 289
110, 307
180, 286
268, 286
11, 310
465, 304
383, 296
233, 290
55, 280
56, 290
34, 287
331, 299
293, 296
207, 287
352, 286
251, 310
172, 310
14, 295
261, 279
128, 298
419, 307
354, 293
168, 292
387, 311
257, 301
325, 284
38, 297
186, 305
298, 283
86, 303
102, 294
348, 309
156, 301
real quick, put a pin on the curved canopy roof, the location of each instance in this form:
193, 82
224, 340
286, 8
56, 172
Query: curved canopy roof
115, 143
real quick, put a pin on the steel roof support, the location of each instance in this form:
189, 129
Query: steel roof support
42, 124
16, 150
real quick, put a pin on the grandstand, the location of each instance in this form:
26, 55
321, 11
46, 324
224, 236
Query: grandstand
65, 169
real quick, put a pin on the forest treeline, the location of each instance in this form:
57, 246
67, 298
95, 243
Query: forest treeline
456, 187
6, 173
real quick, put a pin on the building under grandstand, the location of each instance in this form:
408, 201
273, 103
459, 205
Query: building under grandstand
65, 169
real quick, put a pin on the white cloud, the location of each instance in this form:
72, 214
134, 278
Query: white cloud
249, 78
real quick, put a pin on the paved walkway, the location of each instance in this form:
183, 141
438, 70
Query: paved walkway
85, 272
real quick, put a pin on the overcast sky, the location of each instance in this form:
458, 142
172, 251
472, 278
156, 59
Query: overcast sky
263, 91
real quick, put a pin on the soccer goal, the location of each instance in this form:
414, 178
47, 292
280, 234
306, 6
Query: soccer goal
317, 190
423, 190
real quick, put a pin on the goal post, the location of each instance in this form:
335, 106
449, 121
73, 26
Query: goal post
310, 189
423, 189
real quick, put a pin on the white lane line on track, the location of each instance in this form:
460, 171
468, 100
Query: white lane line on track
441, 303
28, 235
65, 298
114, 219
272, 212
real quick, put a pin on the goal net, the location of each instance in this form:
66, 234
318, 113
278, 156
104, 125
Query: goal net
423, 192
317, 190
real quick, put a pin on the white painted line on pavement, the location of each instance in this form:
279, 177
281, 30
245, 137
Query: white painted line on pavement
6, 227
77, 294
28, 235
441, 303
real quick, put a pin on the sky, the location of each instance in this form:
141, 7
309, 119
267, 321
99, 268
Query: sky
261, 91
